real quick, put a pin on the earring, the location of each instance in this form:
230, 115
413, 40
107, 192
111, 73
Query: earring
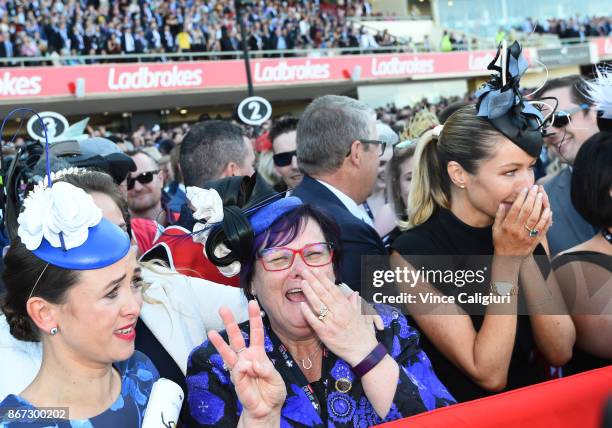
462, 186
53, 331
262, 313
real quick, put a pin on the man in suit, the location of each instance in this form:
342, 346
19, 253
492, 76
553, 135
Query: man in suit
338, 152
6, 47
569, 228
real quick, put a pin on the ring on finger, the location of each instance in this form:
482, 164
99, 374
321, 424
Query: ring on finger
323, 311
226, 367
532, 232
240, 350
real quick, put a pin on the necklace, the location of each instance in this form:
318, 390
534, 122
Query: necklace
607, 235
307, 362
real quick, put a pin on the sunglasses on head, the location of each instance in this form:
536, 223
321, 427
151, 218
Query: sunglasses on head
283, 159
562, 117
144, 178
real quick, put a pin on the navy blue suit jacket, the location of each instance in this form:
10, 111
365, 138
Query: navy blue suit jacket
358, 238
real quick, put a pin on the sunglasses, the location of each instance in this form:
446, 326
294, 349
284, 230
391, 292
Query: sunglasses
144, 178
283, 159
562, 118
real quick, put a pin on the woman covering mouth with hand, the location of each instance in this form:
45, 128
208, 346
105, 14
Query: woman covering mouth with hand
310, 358
473, 195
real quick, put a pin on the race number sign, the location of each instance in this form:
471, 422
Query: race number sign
55, 123
254, 110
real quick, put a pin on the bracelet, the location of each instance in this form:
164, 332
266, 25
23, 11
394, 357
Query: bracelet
369, 362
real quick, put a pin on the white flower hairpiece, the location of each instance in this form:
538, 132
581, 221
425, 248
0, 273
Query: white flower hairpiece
61, 214
208, 210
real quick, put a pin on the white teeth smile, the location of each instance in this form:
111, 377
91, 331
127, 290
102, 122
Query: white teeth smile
294, 291
125, 330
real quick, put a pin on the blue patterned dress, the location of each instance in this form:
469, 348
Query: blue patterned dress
336, 400
137, 377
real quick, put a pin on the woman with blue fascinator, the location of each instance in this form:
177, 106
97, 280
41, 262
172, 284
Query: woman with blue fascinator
307, 357
473, 195
72, 283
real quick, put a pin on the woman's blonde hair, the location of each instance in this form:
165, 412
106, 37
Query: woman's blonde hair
465, 139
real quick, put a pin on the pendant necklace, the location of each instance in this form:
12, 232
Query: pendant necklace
307, 362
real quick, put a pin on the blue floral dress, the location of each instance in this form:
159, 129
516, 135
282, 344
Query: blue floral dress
336, 400
137, 377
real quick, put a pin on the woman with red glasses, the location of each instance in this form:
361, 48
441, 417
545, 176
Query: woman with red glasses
309, 358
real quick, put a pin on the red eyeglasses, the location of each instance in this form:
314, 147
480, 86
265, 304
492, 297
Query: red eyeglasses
281, 258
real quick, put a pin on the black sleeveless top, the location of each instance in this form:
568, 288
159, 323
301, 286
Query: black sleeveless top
581, 360
444, 234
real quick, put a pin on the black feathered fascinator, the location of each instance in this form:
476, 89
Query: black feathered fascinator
501, 102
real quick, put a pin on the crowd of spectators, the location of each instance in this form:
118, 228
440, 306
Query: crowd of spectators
572, 28
61, 28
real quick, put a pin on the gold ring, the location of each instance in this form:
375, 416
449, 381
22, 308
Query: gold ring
323, 311
240, 350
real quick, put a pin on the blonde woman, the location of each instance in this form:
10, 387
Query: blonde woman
473, 194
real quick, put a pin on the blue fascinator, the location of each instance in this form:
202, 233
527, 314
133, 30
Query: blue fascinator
61, 224
263, 218
500, 101
71, 234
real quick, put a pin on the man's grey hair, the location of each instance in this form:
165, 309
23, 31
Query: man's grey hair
326, 130
208, 148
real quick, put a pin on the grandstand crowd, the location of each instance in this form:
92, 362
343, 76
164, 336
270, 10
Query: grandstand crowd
58, 29
577, 27
45, 28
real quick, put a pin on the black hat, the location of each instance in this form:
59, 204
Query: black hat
503, 105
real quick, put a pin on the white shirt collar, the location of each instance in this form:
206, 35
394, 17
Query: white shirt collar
348, 203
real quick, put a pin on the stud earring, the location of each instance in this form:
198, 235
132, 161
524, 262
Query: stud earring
53, 331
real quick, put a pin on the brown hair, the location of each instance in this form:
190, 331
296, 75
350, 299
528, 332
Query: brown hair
465, 139
21, 273
100, 182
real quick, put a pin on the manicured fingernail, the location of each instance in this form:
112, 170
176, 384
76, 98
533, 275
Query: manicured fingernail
540, 196
534, 187
525, 190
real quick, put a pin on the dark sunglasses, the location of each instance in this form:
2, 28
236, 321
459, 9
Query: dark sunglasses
283, 159
144, 178
562, 118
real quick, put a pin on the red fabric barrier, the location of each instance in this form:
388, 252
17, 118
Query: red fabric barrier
573, 402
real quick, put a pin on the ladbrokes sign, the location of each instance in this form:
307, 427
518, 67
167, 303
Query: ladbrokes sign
145, 78
151, 78
12, 85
